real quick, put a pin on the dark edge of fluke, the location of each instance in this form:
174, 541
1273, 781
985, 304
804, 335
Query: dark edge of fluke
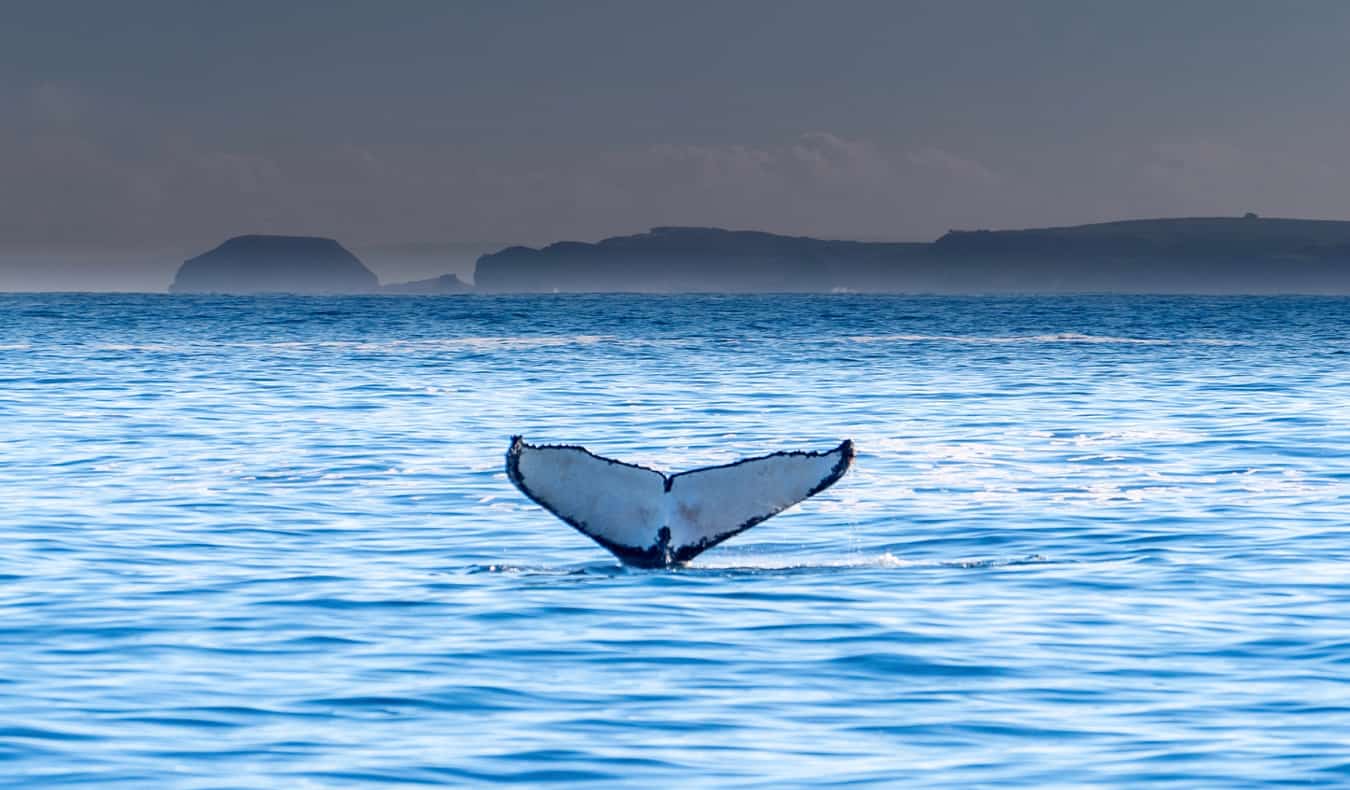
654, 556
845, 449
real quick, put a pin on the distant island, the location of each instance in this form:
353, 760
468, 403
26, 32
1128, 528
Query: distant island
445, 284
277, 264
1192, 255
696, 259
292, 264
1196, 255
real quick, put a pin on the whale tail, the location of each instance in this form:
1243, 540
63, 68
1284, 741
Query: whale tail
650, 519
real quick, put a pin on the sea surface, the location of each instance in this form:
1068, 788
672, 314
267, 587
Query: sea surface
268, 542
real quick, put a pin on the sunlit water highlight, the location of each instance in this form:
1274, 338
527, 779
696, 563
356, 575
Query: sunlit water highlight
268, 543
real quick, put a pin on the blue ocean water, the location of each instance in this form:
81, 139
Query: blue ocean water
268, 542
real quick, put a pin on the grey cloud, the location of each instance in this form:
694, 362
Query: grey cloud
955, 167
56, 102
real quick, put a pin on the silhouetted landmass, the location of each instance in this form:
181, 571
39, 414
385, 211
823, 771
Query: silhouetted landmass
275, 264
445, 284
693, 259
1197, 255
420, 260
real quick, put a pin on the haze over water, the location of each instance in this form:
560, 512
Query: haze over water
264, 542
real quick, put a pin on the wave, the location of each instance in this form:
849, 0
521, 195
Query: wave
491, 343
498, 343
751, 565
1062, 337
884, 561
482, 343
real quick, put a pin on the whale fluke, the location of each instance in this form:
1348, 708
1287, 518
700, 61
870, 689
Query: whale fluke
653, 520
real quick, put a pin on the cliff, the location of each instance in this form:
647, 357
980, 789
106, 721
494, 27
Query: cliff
691, 259
1190, 255
275, 264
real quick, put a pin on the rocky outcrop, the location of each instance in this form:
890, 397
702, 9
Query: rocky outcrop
276, 264
445, 284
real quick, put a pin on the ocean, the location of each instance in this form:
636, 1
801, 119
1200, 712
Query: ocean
269, 542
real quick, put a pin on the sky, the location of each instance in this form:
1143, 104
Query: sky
153, 128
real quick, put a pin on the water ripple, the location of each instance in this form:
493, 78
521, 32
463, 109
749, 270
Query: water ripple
262, 542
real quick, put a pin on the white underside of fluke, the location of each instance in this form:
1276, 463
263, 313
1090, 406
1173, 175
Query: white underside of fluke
651, 519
